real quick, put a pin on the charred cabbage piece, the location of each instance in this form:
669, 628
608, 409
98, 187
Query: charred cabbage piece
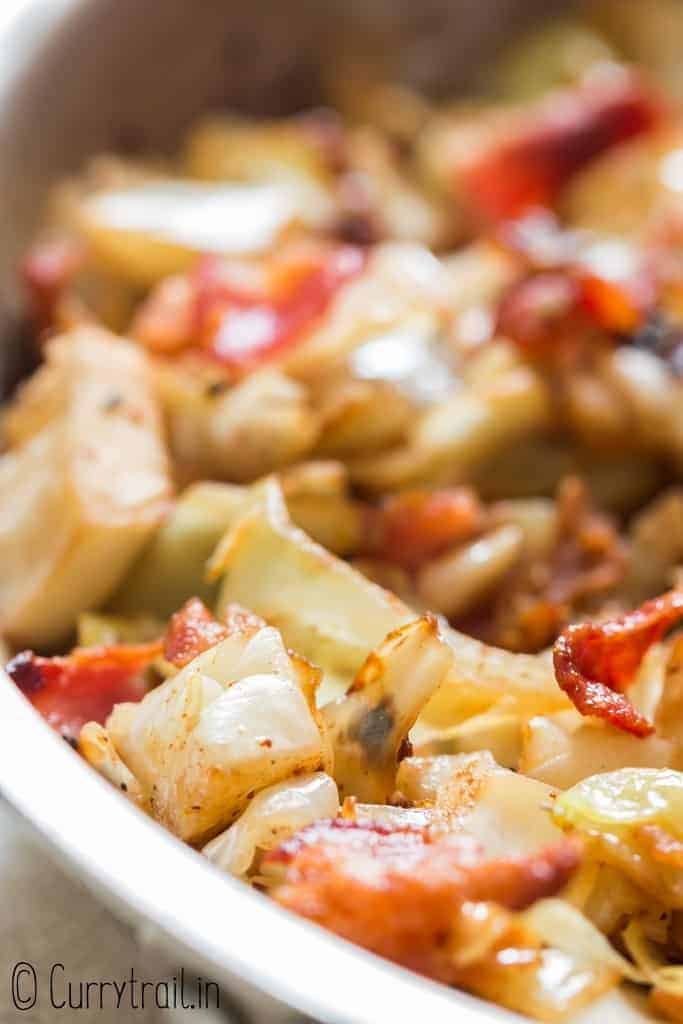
84, 484
369, 726
238, 718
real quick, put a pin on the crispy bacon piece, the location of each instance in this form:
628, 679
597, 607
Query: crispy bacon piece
549, 312
194, 629
549, 143
410, 528
398, 891
571, 287
46, 271
85, 685
190, 631
595, 663
242, 329
542, 312
242, 313
540, 597
666, 1005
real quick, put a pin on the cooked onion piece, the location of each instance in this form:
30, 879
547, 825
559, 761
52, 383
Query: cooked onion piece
272, 815
83, 486
369, 726
238, 718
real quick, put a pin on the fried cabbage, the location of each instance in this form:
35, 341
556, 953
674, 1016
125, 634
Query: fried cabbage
238, 718
84, 483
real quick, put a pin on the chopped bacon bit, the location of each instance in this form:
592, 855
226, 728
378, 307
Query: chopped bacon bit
551, 142
243, 329
571, 286
537, 600
192, 630
410, 528
46, 271
164, 321
620, 306
667, 1005
242, 313
539, 312
398, 891
595, 663
85, 685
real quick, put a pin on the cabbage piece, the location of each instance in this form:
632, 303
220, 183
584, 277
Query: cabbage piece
324, 608
506, 812
452, 438
222, 433
83, 487
95, 630
370, 724
546, 984
148, 231
172, 567
238, 718
563, 926
627, 189
621, 800
498, 731
634, 818
334, 616
557, 54
563, 749
293, 152
652, 962
273, 814
95, 744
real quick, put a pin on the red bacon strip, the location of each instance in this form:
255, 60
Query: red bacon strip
530, 165
192, 630
595, 663
412, 527
243, 328
85, 685
243, 313
397, 891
